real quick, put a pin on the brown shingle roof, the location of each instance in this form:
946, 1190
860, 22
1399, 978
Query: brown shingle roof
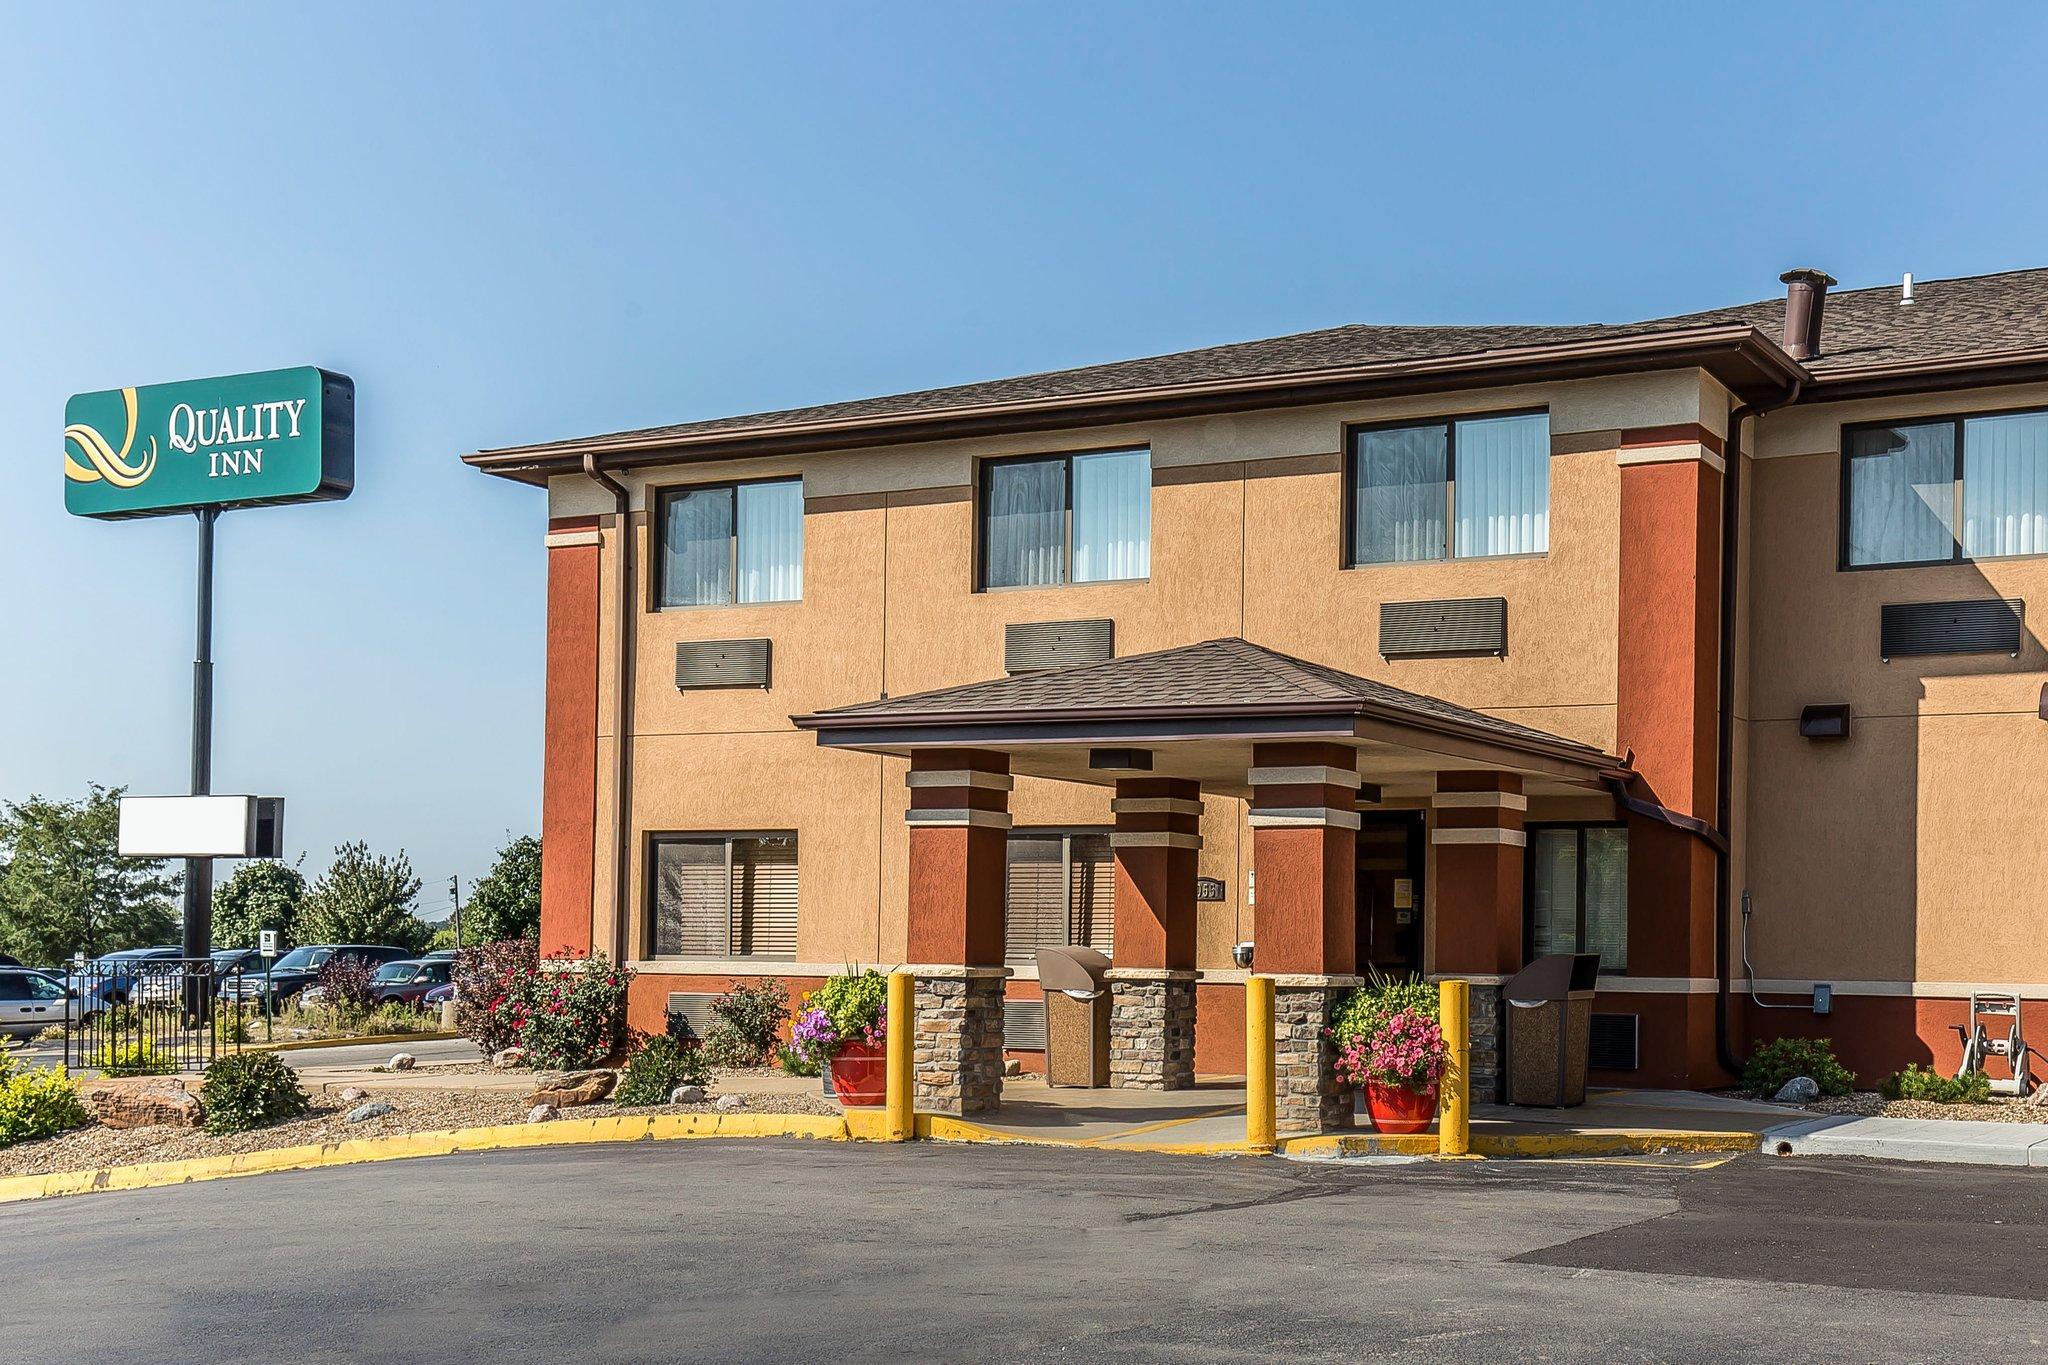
1227, 676
1975, 316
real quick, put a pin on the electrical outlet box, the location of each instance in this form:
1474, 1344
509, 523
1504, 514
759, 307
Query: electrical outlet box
1823, 998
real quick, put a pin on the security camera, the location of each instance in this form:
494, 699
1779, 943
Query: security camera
1241, 954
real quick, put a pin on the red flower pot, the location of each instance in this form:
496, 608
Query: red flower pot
1398, 1110
860, 1074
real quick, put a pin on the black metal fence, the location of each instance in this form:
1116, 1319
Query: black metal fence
157, 1016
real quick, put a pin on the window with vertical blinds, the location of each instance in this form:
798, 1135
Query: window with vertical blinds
1060, 890
720, 895
1578, 892
1465, 488
1049, 520
1945, 488
726, 543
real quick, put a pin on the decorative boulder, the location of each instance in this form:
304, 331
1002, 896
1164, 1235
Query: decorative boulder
401, 1061
349, 1094
141, 1102
541, 1113
574, 1088
728, 1103
363, 1113
1799, 1090
508, 1057
686, 1094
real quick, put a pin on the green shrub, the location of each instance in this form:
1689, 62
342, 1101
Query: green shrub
395, 1016
658, 1067
1366, 1010
794, 1062
250, 1090
36, 1104
1918, 1082
132, 1057
1779, 1060
230, 1024
749, 1024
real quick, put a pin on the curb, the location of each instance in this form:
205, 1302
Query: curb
368, 1040
1630, 1142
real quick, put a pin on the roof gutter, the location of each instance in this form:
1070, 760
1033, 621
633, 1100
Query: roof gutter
1741, 356
622, 751
1919, 376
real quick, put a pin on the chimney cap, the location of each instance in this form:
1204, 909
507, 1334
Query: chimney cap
1808, 275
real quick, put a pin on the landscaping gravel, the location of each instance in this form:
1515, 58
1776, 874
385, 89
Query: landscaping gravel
1870, 1104
413, 1111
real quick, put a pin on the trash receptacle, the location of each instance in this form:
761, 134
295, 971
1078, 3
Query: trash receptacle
1548, 1009
1076, 1016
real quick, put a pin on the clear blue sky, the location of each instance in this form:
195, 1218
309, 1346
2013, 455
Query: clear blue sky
513, 222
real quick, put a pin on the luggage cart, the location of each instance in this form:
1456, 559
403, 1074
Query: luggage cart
1991, 1010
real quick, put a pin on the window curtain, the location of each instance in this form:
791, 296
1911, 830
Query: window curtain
1397, 491
1026, 507
2005, 485
1606, 897
1503, 485
1555, 891
696, 548
1902, 493
771, 541
1112, 516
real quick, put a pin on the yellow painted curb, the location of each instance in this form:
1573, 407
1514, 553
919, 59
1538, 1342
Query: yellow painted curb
501, 1137
370, 1040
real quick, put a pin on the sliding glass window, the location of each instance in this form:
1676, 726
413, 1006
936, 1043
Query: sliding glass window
1950, 488
1578, 892
1060, 519
725, 543
1465, 487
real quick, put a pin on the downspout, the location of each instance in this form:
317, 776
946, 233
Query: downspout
1724, 758
622, 711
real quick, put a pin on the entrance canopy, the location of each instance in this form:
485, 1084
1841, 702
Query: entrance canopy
1196, 712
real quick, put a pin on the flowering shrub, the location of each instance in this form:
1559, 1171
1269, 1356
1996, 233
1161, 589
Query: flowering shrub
487, 977
852, 1007
345, 982
1366, 1010
1407, 1052
750, 1020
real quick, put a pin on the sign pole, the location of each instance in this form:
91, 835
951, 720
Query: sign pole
198, 935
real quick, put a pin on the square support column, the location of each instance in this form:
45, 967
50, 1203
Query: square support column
1304, 820
959, 820
1479, 844
1152, 987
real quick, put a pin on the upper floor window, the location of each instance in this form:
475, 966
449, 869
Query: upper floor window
1578, 892
1909, 486
1066, 519
724, 543
1463, 487
724, 895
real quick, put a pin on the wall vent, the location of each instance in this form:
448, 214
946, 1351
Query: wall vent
1986, 626
695, 1009
1034, 646
1613, 1040
1024, 1025
1457, 625
721, 663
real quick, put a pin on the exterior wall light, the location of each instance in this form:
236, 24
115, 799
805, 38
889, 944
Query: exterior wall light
1827, 721
1120, 760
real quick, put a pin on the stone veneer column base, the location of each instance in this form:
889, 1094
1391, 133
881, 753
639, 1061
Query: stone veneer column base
957, 1050
1488, 1044
1310, 1097
1151, 1028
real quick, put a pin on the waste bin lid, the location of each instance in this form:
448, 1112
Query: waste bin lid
1552, 977
1077, 971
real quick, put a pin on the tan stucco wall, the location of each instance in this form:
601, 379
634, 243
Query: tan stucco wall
1910, 852
1246, 539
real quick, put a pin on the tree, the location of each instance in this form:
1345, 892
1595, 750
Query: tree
364, 897
65, 889
260, 895
505, 902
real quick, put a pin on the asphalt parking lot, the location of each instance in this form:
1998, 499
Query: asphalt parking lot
786, 1250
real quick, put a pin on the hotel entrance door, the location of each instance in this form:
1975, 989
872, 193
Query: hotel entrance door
1390, 865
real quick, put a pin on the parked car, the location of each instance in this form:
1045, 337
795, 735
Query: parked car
300, 968
161, 988
112, 977
438, 996
408, 982
9, 960
31, 1001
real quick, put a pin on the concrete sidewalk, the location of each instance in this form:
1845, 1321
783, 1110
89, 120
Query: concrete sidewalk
1967, 1141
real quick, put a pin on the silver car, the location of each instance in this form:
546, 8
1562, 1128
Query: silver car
31, 1001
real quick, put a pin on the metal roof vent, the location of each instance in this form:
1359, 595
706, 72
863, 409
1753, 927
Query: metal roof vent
1806, 298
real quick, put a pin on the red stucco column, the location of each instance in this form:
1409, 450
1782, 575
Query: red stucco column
1477, 836
568, 804
1304, 820
1152, 986
959, 820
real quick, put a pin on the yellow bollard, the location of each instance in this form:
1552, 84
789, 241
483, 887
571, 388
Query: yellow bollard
1261, 1097
1454, 1114
900, 1104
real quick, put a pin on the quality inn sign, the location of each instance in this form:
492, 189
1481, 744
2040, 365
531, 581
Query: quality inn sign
238, 441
